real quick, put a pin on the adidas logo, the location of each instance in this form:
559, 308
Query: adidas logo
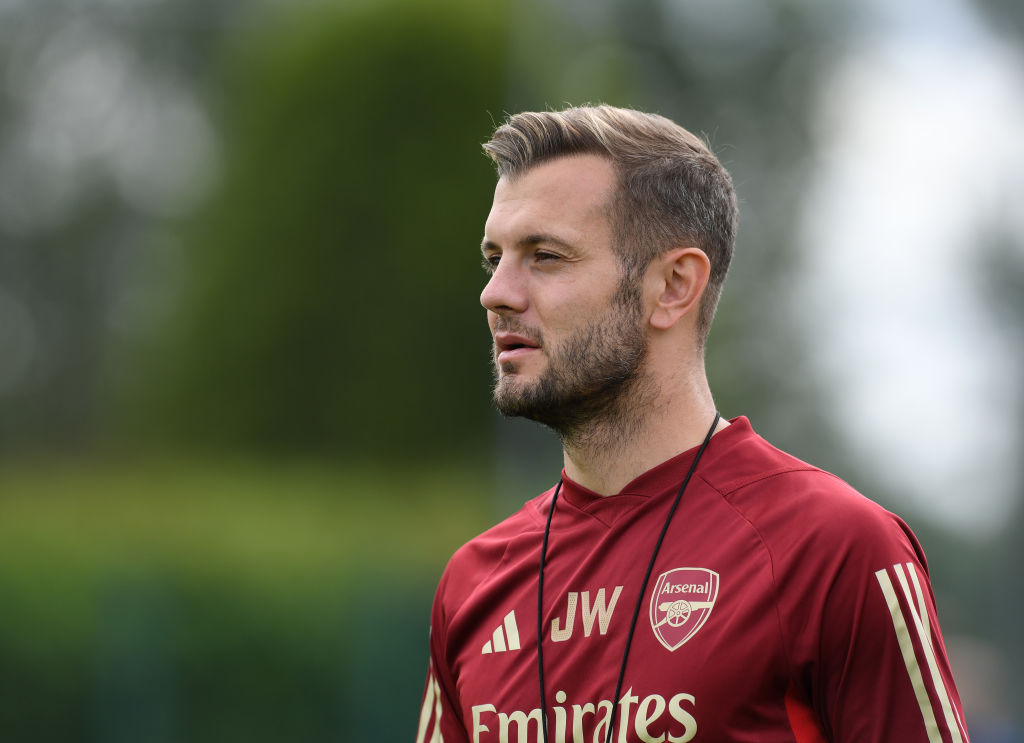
497, 643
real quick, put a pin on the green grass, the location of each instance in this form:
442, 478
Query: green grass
271, 537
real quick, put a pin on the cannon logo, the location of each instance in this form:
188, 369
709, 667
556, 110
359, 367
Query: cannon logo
680, 604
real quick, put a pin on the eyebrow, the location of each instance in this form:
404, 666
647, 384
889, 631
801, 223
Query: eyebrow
531, 239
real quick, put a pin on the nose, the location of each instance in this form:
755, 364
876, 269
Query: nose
505, 292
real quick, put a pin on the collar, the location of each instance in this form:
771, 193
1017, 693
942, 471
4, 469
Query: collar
659, 479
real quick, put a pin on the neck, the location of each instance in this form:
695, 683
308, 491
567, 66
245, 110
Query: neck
649, 426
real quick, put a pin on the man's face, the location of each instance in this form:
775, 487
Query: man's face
568, 333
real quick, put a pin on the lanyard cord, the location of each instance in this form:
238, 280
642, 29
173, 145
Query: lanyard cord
540, 612
639, 600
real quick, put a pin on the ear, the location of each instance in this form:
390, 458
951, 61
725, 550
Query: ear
677, 279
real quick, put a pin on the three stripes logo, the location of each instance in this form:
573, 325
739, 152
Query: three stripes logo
505, 637
910, 620
429, 730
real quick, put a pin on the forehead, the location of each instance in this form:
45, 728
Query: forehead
568, 194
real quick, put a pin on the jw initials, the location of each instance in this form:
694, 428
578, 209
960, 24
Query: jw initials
591, 611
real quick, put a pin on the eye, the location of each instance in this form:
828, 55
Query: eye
544, 256
490, 262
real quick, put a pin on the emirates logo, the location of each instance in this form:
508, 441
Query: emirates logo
681, 603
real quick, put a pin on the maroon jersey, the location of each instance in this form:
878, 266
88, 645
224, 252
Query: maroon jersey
783, 606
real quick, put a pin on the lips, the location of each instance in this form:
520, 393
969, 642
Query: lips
512, 346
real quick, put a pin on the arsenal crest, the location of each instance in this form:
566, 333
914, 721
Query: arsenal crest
682, 601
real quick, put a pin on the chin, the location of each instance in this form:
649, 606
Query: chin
514, 370
513, 388
511, 383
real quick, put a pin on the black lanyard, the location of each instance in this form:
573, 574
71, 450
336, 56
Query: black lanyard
639, 600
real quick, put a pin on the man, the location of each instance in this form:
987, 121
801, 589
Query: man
684, 580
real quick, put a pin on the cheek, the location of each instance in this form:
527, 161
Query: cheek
574, 312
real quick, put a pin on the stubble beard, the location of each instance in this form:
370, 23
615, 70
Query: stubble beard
594, 386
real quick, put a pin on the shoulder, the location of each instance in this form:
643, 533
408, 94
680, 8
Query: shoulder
485, 553
795, 506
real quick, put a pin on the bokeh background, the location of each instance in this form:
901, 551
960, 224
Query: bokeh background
244, 407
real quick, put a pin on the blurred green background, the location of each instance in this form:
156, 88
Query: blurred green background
244, 405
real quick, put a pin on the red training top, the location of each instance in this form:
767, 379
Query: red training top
783, 606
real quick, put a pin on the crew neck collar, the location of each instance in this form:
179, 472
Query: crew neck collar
661, 477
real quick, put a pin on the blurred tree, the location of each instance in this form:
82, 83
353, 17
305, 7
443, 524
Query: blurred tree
1004, 277
85, 93
1006, 15
331, 280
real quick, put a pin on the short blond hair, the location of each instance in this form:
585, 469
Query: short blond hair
672, 190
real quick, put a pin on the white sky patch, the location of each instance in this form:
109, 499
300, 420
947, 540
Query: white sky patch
923, 155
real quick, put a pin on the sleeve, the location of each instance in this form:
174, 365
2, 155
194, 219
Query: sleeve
440, 720
875, 663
